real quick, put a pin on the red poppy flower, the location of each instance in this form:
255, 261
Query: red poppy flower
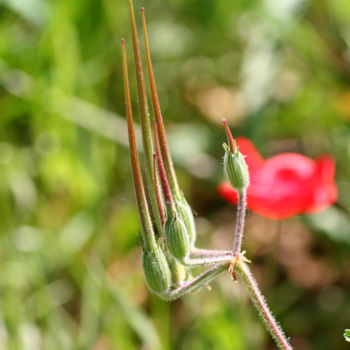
286, 184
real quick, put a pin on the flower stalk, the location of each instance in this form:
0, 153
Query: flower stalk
261, 306
241, 210
196, 284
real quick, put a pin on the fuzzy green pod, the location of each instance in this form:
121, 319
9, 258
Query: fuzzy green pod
176, 237
156, 270
185, 212
236, 169
178, 271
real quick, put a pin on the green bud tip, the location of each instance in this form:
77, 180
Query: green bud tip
235, 167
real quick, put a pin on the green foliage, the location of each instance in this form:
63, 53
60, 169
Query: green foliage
347, 335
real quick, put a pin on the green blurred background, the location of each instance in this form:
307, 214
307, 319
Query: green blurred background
71, 277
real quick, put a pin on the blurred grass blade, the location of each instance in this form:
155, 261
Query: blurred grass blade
137, 320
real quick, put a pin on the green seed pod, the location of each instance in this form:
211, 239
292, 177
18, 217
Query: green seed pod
178, 271
176, 237
156, 270
236, 169
185, 213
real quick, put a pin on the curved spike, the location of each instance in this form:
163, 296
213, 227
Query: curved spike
145, 122
147, 229
158, 116
156, 188
230, 138
163, 176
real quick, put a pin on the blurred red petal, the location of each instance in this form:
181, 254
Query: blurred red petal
227, 192
253, 157
285, 185
324, 190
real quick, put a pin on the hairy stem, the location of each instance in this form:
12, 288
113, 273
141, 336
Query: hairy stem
202, 253
241, 209
262, 307
207, 260
196, 284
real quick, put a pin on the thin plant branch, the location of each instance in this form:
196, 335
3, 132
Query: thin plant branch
198, 252
241, 210
207, 260
261, 306
196, 284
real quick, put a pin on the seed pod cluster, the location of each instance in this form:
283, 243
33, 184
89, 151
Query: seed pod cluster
156, 270
168, 229
236, 169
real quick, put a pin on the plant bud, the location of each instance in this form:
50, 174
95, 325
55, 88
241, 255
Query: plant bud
156, 270
176, 237
185, 213
236, 169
